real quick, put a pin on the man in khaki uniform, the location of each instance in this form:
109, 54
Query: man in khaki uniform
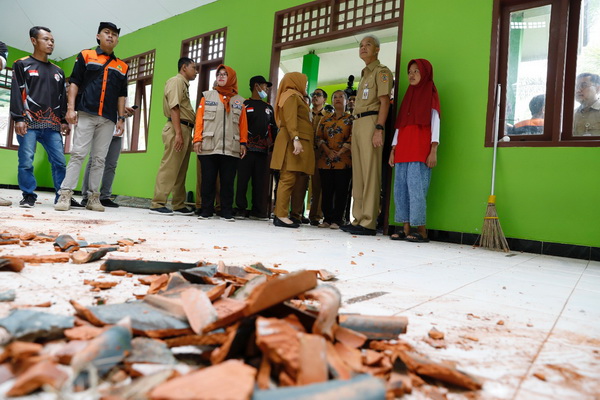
177, 138
370, 112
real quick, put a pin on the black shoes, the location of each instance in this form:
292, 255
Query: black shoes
183, 211
75, 204
280, 223
358, 230
28, 201
107, 203
161, 211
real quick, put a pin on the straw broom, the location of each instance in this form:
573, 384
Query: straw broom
492, 236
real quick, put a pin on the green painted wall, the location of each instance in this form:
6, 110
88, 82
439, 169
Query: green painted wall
547, 194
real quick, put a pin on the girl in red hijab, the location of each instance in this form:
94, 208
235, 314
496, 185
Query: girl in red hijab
414, 150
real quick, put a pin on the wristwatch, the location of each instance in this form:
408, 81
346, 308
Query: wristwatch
380, 127
121, 117
296, 138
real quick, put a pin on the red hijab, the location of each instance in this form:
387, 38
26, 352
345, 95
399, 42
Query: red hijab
230, 89
419, 99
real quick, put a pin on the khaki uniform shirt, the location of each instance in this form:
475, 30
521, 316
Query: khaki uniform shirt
586, 121
177, 94
376, 80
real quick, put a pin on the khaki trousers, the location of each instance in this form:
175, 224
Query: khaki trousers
298, 194
173, 168
366, 173
289, 181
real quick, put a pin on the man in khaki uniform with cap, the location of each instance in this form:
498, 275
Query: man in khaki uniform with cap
370, 112
177, 138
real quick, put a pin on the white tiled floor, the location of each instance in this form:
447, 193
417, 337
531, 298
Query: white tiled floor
549, 305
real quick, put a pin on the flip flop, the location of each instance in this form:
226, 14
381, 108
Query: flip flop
416, 238
398, 236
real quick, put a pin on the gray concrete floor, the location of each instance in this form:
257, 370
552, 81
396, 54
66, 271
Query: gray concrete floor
549, 305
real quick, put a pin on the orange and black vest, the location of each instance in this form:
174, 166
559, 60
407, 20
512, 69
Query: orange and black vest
101, 79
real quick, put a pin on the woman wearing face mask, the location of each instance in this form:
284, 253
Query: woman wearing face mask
294, 153
255, 166
220, 138
414, 150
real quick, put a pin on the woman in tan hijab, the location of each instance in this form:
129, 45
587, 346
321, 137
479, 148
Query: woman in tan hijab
293, 153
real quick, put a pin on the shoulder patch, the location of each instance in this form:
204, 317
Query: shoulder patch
237, 104
384, 76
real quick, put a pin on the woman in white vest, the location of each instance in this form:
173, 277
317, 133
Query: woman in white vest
220, 141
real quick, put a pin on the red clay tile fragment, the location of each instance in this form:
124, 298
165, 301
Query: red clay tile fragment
100, 284
281, 288
171, 305
231, 379
330, 300
313, 359
50, 258
12, 264
349, 337
435, 334
43, 373
198, 309
83, 332
119, 272
66, 243
228, 312
279, 341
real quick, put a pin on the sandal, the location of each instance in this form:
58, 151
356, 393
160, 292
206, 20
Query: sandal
398, 236
416, 237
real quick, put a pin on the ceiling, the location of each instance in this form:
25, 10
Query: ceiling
339, 58
74, 23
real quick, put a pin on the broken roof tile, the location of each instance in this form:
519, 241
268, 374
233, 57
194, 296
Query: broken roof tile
29, 325
231, 379
43, 373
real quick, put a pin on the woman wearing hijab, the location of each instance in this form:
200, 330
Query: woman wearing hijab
293, 153
414, 150
220, 141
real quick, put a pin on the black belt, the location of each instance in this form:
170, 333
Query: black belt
365, 114
183, 123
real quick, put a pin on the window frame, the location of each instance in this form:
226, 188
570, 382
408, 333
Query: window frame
560, 78
143, 77
6, 83
205, 60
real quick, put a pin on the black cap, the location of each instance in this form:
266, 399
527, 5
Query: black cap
110, 26
259, 79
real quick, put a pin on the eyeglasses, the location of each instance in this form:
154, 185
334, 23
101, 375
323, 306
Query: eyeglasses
315, 94
583, 85
224, 75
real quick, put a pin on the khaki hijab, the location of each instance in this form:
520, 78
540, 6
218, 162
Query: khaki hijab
293, 83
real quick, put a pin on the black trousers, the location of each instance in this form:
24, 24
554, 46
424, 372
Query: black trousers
255, 166
334, 183
225, 167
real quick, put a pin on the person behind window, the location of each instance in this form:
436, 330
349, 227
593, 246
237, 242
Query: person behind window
38, 105
534, 125
3, 58
414, 150
220, 141
334, 162
293, 153
586, 119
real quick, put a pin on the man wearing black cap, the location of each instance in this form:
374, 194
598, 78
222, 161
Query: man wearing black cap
96, 104
255, 166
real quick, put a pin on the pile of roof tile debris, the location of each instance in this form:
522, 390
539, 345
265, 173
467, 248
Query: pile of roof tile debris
206, 331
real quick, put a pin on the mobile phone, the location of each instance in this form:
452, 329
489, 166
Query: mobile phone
135, 106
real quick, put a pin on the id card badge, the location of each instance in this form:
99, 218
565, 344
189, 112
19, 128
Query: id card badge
365, 95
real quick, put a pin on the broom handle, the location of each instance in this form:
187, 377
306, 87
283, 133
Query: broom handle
496, 128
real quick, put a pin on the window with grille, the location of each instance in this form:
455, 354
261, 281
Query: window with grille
321, 18
139, 79
545, 59
7, 136
207, 51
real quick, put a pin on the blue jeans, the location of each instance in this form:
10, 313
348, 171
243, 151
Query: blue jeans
53, 144
411, 184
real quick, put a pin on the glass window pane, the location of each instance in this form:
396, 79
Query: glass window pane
527, 70
586, 117
144, 112
4, 116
